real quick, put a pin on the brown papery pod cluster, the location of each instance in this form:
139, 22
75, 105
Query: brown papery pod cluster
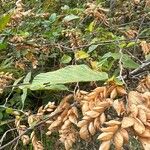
97, 12
113, 133
93, 106
64, 123
108, 111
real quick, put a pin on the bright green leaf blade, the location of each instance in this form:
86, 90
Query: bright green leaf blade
81, 55
4, 20
91, 26
69, 74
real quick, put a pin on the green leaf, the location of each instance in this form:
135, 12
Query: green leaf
130, 44
91, 26
27, 78
69, 74
53, 17
9, 110
24, 94
129, 63
70, 18
65, 59
92, 48
3, 45
126, 60
81, 55
1, 115
4, 20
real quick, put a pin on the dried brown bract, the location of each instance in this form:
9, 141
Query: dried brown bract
5, 79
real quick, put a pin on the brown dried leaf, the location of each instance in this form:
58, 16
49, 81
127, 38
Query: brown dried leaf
73, 119
99, 89
105, 145
92, 114
125, 135
117, 106
146, 133
102, 118
99, 109
142, 116
82, 123
91, 128
134, 110
112, 129
127, 122
138, 126
145, 47
135, 98
85, 107
121, 90
54, 124
84, 134
105, 136
112, 123
118, 141
97, 123
113, 93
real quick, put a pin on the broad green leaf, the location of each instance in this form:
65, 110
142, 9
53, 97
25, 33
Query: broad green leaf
4, 20
126, 60
69, 74
81, 55
70, 18
129, 63
65, 59
92, 48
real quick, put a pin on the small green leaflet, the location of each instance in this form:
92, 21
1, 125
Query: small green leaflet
70, 18
24, 94
65, 59
92, 48
81, 55
4, 20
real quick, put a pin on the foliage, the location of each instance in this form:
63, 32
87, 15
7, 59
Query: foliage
52, 48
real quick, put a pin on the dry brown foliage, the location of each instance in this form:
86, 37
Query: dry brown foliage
86, 114
5, 79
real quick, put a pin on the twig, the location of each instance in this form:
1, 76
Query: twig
139, 68
4, 135
56, 112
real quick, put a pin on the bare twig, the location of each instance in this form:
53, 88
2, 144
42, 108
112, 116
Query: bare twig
144, 65
4, 135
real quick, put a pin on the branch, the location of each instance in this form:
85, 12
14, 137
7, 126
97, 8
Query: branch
139, 68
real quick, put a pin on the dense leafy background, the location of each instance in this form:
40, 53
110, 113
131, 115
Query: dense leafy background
106, 40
